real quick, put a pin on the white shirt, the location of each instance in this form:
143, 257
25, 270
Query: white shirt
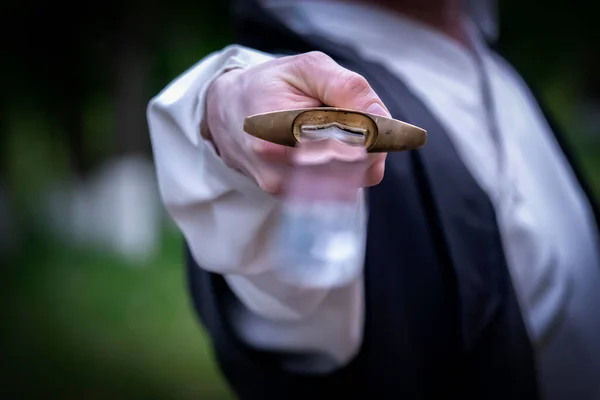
544, 220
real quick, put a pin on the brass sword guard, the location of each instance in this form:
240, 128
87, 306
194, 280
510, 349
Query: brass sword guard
382, 135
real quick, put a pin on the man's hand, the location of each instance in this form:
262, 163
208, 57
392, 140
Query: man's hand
306, 80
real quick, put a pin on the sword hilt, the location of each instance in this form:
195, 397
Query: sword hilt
378, 134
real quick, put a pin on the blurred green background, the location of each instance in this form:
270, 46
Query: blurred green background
83, 318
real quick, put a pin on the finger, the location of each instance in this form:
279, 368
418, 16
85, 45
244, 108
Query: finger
270, 180
319, 76
376, 170
271, 152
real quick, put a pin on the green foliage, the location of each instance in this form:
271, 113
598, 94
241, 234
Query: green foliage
85, 324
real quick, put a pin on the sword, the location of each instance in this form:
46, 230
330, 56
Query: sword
378, 134
318, 242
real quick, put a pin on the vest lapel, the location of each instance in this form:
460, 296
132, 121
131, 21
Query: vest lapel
470, 238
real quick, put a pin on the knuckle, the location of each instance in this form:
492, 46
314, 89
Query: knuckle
376, 172
269, 185
351, 82
315, 58
311, 61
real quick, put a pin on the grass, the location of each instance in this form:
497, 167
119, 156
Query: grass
81, 324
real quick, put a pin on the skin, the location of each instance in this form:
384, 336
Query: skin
305, 80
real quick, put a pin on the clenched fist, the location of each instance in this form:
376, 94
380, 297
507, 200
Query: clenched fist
301, 81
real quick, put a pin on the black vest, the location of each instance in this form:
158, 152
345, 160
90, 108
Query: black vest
441, 313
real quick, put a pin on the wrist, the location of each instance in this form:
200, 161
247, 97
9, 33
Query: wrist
213, 112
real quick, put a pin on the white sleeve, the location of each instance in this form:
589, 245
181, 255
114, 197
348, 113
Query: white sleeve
224, 216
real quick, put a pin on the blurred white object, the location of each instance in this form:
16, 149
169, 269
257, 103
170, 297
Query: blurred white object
319, 242
125, 198
117, 210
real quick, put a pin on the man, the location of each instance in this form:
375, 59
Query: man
490, 197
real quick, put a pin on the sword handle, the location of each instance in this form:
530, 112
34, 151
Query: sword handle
382, 135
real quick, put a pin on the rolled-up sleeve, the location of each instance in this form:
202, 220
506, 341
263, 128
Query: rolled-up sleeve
219, 210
